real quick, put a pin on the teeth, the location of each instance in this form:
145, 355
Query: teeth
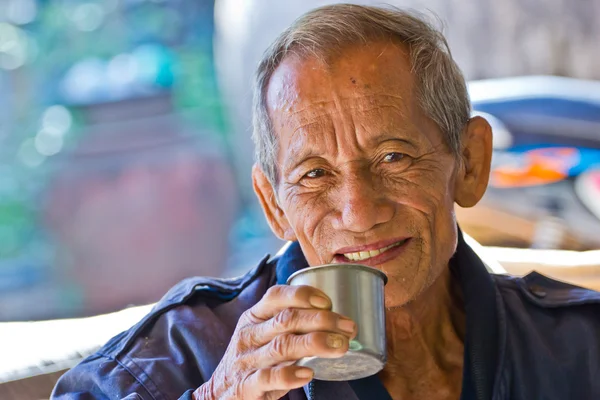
363, 255
373, 253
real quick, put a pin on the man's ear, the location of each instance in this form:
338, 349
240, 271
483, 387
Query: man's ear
267, 197
474, 169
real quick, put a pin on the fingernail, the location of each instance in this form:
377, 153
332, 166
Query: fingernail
304, 373
346, 325
335, 341
319, 301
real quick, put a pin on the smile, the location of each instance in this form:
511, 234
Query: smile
365, 255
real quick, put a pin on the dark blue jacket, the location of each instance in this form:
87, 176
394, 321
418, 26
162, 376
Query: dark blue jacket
527, 338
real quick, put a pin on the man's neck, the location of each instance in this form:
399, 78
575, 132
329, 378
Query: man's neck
425, 343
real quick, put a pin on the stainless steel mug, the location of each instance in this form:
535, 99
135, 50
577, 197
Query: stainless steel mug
356, 291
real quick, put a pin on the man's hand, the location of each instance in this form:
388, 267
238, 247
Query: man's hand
287, 324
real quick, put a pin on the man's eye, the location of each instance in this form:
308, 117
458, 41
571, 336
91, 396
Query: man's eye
315, 173
393, 157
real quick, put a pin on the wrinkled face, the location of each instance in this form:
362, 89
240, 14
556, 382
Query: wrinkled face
364, 175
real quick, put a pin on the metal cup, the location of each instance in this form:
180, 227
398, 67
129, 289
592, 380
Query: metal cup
356, 291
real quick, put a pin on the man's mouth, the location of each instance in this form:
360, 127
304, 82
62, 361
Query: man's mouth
370, 255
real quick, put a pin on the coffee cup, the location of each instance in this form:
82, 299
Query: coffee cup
357, 292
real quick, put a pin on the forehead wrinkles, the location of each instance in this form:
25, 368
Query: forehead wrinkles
318, 113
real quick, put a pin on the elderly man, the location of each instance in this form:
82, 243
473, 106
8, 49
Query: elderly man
364, 142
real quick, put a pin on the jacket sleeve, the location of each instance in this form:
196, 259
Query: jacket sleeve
167, 354
187, 395
101, 378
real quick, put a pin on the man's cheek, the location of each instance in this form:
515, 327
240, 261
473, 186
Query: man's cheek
303, 225
419, 200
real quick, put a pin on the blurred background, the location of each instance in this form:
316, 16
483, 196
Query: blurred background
125, 147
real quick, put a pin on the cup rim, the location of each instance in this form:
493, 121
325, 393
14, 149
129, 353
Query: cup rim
340, 265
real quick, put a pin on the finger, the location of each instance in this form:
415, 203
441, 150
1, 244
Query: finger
291, 347
276, 379
280, 297
299, 321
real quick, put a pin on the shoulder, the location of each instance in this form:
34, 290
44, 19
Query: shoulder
549, 328
178, 344
544, 301
545, 319
536, 306
543, 292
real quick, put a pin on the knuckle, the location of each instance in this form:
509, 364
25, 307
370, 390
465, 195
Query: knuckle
241, 332
274, 292
251, 342
249, 318
321, 318
246, 318
280, 346
305, 343
246, 338
239, 345
244, 333
285, 318
247, 341
311, 340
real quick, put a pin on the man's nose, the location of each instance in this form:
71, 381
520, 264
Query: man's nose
362, 204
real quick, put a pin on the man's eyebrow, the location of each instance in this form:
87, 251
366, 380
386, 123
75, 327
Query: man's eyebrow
300, 156
385, 136
406, 136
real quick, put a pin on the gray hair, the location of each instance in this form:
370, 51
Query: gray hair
440, 85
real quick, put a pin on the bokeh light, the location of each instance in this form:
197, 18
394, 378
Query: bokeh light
83, 81
56, 120
88, 17
29, 155
122, 69
47, 143
21, 12
13, 46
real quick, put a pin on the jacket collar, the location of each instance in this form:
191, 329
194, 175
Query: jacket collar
481, 342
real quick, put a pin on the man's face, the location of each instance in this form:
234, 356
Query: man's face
364, 175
